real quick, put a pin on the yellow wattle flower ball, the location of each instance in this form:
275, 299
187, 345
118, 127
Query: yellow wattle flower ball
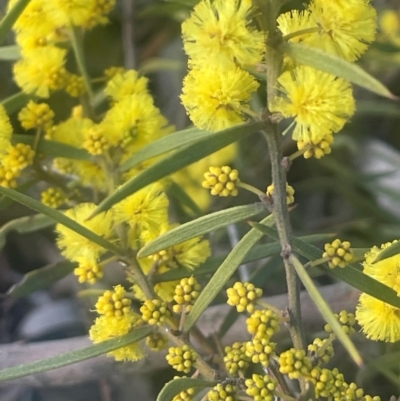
216, 98
221, 32
320, 103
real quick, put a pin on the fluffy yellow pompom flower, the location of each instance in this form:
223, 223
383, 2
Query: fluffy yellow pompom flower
343, 28
107, 327
5, 131
387, 271
189, 254
379, 320
41, 71
219, 33
346, 28
145, 210
85, 13
126, 83
319, 102
215, 98
134, 120
77, 248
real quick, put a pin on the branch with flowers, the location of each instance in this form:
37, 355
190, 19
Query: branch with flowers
106, 172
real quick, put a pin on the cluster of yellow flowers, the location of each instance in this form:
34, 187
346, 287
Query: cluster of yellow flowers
321, 103
220, 42
41, 31
379, 320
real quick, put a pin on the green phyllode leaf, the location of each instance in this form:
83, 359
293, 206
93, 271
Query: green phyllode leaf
40, 279
174, 387
164, 145
319, 301
224, 273
8, 21
79, 355
201, 226
10, 53
326, 311
179, 159
24, 225
59, 218
337, 66
390, 251
350, 274
15, 102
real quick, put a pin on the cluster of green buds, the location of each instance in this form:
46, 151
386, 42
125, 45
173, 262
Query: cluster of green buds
222, 181
346, 319
156, 341
263, 324
223, 392
235, 359
260, 387
320, 351
338, 253
295, 363
54, 197
243, 296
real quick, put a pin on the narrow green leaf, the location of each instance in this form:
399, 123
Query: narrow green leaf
210, 266
164, 145
201, 226
59, 218
6, 202
174, 387
15, 102
54, 148
79, 355
23, 225
390, 251
161, 64
179, 159
224, 273
335, 65
40, 279
350, 274
8, 21
325, 310
10, 53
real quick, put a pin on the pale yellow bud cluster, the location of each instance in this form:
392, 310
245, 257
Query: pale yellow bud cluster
182, 358
113, 303
95, 142
36, 115
346, 319
54, 197
243, 296
318, 149
186, 293
222, 181
260, 387
339, 253
289, 192
155, 311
